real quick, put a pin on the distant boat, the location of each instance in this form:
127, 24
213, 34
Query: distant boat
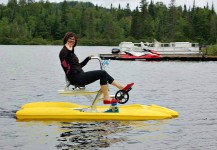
155, 51
160, 48
129, 51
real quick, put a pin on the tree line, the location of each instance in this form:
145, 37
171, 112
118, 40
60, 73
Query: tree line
43, 22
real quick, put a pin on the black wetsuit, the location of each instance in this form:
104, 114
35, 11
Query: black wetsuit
75, 74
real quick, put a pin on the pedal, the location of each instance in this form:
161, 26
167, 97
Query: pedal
129, 89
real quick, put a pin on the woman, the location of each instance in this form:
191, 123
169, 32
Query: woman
75, 74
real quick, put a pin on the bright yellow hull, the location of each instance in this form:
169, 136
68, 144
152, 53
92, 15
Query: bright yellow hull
69, 111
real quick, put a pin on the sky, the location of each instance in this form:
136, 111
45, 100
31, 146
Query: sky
134, 3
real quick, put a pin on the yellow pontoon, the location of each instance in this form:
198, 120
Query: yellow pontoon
72, 111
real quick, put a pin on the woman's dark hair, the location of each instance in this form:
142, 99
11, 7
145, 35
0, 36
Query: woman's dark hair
68, 35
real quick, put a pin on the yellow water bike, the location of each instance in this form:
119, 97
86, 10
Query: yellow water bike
73, 111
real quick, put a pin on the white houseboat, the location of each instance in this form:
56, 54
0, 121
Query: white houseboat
161, 48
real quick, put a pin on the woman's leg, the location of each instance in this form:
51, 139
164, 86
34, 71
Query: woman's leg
104, 89
92, 76
117, 84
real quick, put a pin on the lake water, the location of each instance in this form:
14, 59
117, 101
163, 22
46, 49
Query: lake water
33, 73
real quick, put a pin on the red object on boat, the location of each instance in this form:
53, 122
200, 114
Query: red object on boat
151, 54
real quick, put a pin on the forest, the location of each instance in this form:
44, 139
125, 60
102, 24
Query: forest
27, 22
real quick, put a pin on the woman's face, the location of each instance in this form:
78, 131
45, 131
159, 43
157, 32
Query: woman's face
71, 42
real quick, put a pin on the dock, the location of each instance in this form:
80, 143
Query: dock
165, 57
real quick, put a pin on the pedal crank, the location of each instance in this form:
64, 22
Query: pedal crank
122, 96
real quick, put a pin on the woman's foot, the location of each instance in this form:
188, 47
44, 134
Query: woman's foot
113, 100
112, 110
128, 87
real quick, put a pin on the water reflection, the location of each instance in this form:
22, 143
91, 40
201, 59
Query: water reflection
83, 135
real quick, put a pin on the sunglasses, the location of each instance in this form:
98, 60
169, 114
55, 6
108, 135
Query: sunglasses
70, 40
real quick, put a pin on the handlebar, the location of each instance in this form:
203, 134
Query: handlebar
102, 64
96, 57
